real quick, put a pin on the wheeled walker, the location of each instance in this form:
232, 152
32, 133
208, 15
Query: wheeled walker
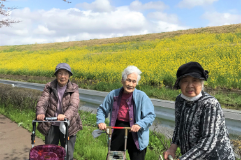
49, 151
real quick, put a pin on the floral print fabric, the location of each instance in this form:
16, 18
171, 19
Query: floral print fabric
49, 151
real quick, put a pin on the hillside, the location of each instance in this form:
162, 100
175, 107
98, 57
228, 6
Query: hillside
63, 45
97, 64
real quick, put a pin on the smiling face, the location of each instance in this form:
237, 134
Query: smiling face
62, 77
130, 83
191, 86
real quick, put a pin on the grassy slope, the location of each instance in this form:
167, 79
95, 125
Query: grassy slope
226, 98
64, 45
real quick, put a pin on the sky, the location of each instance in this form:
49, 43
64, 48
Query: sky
48, 21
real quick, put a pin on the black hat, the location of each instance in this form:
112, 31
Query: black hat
193, 69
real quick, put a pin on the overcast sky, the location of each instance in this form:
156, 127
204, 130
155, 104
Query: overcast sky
45, 21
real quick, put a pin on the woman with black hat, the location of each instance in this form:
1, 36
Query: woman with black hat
200, 129
60, 98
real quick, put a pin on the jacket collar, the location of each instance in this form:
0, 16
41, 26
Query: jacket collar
69, 87
133, 95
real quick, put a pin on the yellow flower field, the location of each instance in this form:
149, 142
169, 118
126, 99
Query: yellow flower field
159, 60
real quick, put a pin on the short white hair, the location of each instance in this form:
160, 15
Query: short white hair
130, 70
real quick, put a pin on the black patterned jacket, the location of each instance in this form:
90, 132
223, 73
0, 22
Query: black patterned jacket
200, 130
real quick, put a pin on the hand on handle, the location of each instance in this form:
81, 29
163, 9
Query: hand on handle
61, 117
135, 128
167, 155
40, 117
170, 152
102, 126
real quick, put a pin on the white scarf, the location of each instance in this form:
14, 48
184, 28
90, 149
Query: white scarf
191, 98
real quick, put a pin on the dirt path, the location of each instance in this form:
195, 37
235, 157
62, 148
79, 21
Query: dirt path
15, 141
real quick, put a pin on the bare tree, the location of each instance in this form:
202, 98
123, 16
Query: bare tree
6, 11
66, 1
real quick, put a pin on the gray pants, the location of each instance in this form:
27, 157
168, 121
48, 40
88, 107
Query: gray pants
55, 135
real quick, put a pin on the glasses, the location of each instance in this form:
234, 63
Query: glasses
63, 73
129, 80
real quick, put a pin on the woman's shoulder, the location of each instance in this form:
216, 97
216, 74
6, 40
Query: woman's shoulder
208, 98
52, 84
140, 93
49, 85
209, 101
75, 85
178, 98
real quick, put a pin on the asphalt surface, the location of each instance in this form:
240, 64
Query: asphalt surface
15, 141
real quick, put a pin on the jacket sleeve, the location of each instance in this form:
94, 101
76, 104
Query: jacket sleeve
147, 112
74, 103
43, 101
104, 109
175, 138
211, 120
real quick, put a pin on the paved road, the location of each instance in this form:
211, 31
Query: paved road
15, 141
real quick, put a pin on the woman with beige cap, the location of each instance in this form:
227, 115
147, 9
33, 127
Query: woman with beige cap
60, 98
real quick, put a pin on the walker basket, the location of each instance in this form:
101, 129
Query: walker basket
47, 152
116, 155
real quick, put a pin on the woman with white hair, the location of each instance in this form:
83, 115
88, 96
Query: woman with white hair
200, 129
128, 107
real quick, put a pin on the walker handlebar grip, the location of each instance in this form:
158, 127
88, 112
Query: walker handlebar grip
121, 127
117, 127
51, 118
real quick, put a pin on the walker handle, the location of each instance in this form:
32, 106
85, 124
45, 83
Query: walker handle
51, 118
121, 127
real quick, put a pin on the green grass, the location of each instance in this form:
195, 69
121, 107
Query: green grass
86, 147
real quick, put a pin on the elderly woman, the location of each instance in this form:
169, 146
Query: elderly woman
200, 129
60, 98
128, 107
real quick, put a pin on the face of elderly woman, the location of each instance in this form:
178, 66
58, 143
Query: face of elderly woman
62, 77
129, 84
191, 86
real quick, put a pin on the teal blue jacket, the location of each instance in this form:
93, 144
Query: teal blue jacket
144, 113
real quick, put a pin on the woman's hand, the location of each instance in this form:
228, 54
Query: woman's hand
135, 128
167, 153
61, 117
40, 117
171, 151
102, 126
